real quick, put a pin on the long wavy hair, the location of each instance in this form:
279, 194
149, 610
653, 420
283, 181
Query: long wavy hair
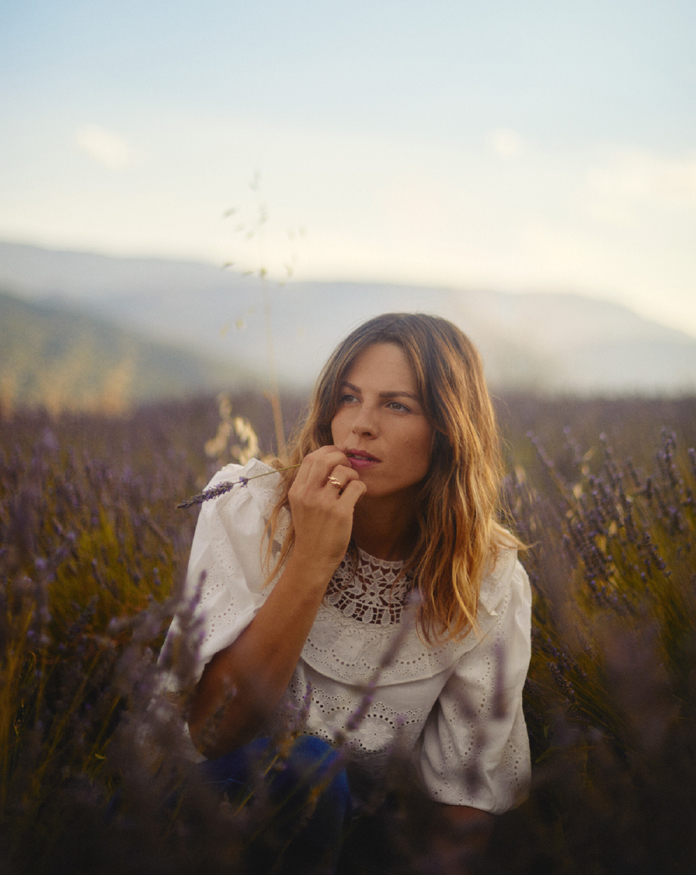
459, 536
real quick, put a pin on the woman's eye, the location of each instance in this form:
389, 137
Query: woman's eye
348, 399
394, 405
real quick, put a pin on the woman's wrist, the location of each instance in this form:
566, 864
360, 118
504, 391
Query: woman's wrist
312, 570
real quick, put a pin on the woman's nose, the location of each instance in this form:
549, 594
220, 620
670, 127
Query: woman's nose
364, 421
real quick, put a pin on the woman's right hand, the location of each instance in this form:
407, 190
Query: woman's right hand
259, 664
322, 512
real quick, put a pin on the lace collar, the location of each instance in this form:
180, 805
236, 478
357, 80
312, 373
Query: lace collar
367, 589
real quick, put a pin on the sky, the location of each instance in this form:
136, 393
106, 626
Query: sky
540, 146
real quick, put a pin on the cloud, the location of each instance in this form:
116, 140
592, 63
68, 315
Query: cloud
104, 147
631, 188
505, 142
633, 178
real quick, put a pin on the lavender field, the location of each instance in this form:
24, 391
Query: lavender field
93, 550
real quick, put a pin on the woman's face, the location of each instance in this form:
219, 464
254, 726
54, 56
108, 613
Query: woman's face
380, 424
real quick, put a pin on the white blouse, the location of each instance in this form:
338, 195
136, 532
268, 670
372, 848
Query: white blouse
456, 706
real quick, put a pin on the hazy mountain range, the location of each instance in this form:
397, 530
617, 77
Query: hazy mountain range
204, 314
62, 358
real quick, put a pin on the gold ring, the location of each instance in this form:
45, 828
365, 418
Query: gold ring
334, 482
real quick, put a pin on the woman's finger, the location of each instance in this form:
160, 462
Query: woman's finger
317, 466
341, 476
353, 492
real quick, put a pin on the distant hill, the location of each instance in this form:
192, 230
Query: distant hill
551, 343
62, 358
32, 271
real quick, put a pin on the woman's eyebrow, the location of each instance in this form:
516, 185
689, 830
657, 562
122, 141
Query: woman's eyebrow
389, 394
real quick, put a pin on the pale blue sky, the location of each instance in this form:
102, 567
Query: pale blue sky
524, 146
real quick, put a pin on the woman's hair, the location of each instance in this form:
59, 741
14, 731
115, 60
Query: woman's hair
458, 533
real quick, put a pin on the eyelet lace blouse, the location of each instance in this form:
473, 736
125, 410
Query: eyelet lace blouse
457, 706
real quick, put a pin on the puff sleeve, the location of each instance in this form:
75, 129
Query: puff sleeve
474, 748
224, 584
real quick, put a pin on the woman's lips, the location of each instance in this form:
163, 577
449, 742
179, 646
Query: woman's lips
359, 459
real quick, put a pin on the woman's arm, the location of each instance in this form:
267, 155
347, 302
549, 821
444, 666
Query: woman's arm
474, 746
243, 683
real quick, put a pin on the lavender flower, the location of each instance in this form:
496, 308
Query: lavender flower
226, 486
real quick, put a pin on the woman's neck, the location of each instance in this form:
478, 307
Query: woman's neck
383, 530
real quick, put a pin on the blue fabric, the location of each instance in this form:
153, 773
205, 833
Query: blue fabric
306, 794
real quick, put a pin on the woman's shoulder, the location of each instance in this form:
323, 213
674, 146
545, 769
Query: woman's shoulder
232, 525
245, 508
504, 574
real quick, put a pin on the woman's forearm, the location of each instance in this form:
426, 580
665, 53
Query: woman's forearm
242, 684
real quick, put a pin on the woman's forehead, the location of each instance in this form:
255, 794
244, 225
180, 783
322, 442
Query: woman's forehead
382, 363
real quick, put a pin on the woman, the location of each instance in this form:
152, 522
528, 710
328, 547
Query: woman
307, 574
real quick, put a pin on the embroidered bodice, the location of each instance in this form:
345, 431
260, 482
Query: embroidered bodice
369, 590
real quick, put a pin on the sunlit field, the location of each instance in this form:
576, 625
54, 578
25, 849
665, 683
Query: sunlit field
93, 550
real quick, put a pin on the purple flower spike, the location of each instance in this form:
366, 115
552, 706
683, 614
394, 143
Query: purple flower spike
222, 488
